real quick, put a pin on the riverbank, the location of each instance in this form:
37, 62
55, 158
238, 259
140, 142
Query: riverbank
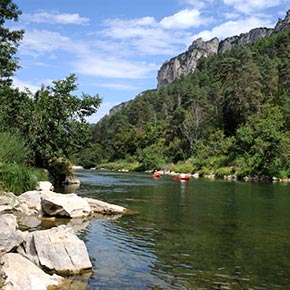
226, 173
35, 259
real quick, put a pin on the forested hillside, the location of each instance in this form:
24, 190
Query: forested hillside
232, 115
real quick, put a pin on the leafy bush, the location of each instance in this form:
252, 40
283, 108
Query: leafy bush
186, 167
222, 171
12, 148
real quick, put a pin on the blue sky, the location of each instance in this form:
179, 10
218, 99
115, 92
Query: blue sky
115, 47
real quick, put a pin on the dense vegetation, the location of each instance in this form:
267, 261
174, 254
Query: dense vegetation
232, 115
40, 130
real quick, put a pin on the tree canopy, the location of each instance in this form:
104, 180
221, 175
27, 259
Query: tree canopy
232, 111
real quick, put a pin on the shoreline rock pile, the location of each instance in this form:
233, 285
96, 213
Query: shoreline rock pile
36, 260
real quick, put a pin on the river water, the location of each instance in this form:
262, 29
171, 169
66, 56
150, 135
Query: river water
199, 234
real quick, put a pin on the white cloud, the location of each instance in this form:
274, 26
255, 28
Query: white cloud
55, 18
232, 28
107, 67
250, 6
196, 3
38, 42
183, 19
22, 85
117, 86
147, 36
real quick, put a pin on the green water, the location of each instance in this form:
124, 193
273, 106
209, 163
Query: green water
193, 235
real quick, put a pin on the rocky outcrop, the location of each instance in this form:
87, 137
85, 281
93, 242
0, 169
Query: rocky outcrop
57, 250
64, 205
283, 24
245, 38
186, 62
118, 107
32, 206
28, 258
19, 273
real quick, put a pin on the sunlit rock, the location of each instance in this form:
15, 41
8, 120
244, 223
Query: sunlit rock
19, 273
64, 205
98, 206
30, 202
58, 249
10, 236
45, 185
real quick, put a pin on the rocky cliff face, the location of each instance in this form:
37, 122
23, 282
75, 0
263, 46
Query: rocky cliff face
245, 38
119, 107
186, 62
283, 24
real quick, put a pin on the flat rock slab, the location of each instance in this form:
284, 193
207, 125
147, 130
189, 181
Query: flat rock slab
19, 273
58, 250
64, 205
98, 206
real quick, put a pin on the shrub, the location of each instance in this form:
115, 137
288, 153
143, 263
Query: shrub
186, 167
18, 178
222, 171
12, 148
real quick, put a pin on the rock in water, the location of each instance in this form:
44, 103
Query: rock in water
57, 249
64, 205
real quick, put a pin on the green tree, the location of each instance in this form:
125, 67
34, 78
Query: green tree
262, 146
58, 126
9, 41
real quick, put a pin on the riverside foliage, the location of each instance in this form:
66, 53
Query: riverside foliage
36, 128
231, 115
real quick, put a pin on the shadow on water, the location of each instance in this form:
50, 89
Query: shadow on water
195, 235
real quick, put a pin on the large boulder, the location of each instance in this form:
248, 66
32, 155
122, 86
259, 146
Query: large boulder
98, 206
19, 273
64, 205
58, 250
10, 236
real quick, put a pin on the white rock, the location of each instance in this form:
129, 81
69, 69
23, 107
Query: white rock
45, 186
8, 201
98, 206
10, 236
19, 274
57, 249
30, 202
64, 205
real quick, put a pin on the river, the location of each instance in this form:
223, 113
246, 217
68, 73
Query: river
199, 234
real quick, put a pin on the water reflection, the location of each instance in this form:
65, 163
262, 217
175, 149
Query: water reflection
196, 235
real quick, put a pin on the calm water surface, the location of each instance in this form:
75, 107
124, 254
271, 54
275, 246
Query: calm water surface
194, 235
